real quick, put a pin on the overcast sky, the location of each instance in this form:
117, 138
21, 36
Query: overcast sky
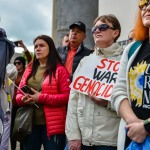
26, 19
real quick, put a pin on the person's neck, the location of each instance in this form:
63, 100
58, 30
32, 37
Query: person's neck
42, 63
20, 71
74, 45
104, 45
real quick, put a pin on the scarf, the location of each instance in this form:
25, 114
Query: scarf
113, 50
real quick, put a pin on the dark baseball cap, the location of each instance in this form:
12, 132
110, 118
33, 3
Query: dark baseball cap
80, 25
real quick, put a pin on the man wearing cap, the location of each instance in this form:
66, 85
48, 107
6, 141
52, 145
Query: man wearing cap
75, 51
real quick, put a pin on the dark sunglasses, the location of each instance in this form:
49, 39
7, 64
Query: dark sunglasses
19, 63
130, 39
102, 27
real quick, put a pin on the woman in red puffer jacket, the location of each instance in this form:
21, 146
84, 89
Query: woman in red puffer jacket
49, 80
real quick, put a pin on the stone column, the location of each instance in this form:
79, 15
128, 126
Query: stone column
65, 12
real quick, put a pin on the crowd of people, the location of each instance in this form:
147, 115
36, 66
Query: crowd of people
82, 99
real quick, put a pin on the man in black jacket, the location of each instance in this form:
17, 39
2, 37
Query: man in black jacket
75, 51
6, 89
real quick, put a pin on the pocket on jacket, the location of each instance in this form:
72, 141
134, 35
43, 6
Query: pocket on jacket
80, 112
106, 129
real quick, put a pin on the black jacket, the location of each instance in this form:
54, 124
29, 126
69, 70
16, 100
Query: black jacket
81, 52
6, 52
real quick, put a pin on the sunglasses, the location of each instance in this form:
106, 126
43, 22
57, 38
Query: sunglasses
102, 27
130, 39
143, 4
19, 63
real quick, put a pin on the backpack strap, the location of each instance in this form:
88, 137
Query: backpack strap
133, 48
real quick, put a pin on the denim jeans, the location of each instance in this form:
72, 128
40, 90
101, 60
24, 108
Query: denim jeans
95, 147
38, 137
66, 147
6, 131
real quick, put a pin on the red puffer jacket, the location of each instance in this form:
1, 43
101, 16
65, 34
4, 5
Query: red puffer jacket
54, 98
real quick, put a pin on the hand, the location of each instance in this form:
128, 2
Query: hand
98, 101
27, 100
21, 44
74, 145
136, 131
34, 96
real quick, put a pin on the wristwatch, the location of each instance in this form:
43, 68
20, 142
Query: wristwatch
147, 125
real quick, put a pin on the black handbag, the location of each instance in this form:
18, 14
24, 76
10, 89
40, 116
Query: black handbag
23, 123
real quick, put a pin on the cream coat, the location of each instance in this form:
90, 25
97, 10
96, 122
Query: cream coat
94, 124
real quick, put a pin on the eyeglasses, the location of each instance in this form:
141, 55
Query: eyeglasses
19, 63
102, 27
143, 5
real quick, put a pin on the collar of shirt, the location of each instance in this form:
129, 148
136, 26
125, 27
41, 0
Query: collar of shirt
73, 48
